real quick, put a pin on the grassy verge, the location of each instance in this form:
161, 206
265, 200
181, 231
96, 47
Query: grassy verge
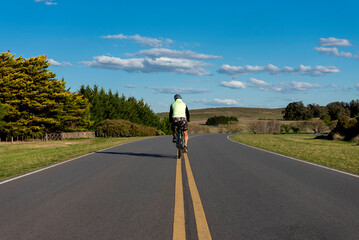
335, 154
20, 158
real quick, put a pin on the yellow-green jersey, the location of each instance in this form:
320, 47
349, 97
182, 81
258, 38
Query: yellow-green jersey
179, 110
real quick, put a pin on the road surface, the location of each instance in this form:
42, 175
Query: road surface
219, 190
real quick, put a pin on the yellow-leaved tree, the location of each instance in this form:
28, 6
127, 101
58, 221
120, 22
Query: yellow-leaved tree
35, 101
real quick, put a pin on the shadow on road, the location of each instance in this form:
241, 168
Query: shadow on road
140, 154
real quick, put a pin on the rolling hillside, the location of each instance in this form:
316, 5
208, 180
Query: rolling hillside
201, 115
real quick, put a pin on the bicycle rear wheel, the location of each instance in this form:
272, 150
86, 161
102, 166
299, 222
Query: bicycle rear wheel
179, 144
179, 152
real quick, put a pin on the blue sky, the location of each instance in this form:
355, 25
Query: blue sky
214, 53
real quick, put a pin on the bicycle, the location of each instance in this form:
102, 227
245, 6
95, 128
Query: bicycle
179, 141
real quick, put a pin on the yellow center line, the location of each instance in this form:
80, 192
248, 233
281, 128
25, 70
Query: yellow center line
201, 221
179, 229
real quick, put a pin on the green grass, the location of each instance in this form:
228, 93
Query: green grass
331, 153
20, 158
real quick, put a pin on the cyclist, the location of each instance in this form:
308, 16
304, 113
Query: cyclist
179, 115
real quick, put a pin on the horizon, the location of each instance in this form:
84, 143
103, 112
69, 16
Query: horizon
256, 54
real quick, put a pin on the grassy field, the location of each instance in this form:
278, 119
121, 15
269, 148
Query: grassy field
331, 153
20, 158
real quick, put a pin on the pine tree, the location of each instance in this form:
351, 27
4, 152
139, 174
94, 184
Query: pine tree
111, 106
37, 102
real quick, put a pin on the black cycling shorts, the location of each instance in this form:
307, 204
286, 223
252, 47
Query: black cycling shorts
179, 122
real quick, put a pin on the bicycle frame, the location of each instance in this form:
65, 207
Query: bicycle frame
179, 142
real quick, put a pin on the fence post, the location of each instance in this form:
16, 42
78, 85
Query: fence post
12, 140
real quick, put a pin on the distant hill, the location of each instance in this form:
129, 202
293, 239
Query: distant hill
201, 115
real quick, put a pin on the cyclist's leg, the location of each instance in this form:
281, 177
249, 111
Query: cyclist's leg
185, 133
173, 128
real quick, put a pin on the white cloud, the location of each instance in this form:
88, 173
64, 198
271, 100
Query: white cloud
164, 52
271, 69
144, 41
300, 86
334, 42
129, 65
216, 102
118, 36
58, 64
343, 89
175, 90
335, 52
183, 66
47, 2
228, 102
284, 87
258, 82
234, 84
130, 86
148, 65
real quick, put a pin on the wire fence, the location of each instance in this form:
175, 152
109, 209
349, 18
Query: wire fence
47, 137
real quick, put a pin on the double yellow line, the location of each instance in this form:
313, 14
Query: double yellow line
179, 223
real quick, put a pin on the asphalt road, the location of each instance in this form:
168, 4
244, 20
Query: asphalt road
128, 192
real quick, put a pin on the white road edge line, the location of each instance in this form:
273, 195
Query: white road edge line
296, 159
60, 163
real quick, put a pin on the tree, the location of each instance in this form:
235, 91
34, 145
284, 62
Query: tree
354, 108
109, 105
296, 111
3, 112
337, 110
37, 102
315, 110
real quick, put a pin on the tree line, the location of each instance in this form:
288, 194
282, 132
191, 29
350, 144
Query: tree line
332, 111
342, 117
108, 105
34, 102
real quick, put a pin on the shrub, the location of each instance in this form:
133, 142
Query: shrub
346, 127
304, 126
198, 129
124, 128
264, 127
318, 126
233, 128
216, 120
285, 128
326, 119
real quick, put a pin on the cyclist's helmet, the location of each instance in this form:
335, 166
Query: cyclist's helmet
177, 96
